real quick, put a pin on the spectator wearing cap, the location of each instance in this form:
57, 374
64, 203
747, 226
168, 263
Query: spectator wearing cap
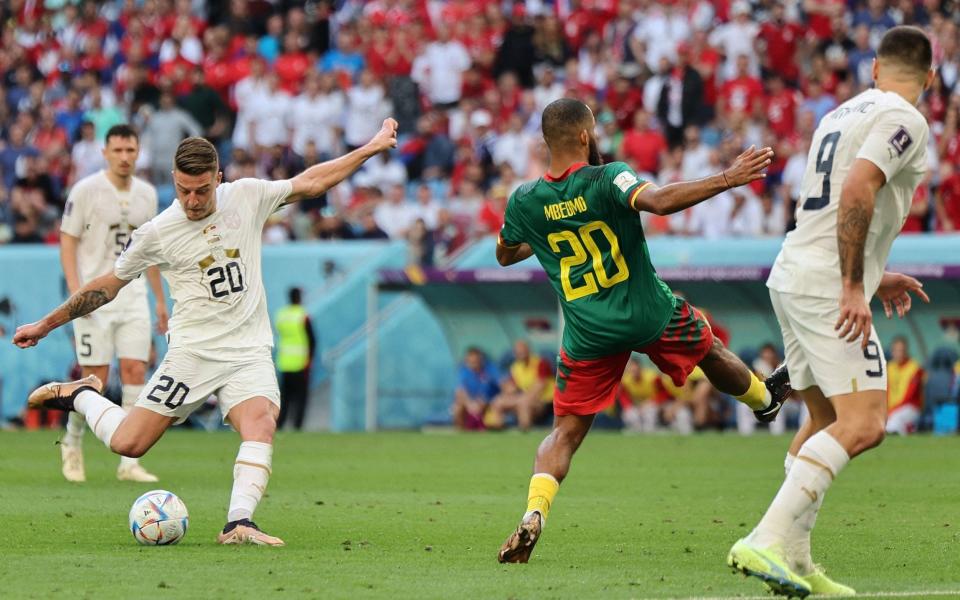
439, 69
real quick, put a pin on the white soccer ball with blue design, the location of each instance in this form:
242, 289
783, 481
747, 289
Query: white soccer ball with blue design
158, 518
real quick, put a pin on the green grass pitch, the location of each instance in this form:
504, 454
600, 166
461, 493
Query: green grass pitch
404, 515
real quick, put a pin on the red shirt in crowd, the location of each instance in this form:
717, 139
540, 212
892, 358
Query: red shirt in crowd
782, 112
291, 68
950, 196
490, 216
741, 94
914, 223
624, 105
642, 149
781, 47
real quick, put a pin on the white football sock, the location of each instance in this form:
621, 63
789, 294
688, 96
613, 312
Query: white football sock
251, 472
797, 545
103, 416
812, 472
75, 427
129, 397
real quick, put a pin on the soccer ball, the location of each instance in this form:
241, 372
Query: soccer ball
158, 518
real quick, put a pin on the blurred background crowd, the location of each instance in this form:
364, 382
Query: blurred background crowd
678, 88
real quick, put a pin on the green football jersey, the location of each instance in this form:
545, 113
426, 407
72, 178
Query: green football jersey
591, 244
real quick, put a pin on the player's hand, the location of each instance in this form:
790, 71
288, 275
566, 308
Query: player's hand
894, 292
162, 318
386, 138
749, 166
855, 317
30, 335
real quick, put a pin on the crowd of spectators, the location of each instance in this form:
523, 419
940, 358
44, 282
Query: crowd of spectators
678, 88
517, 391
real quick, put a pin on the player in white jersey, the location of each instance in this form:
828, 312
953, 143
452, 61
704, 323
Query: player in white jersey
102, 211
207, 246
867, 158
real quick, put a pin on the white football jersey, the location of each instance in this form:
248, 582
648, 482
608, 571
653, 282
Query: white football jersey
877, 126
103, 217
212, 266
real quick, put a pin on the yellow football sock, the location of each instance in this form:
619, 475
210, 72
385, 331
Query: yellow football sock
543, 487
756, 396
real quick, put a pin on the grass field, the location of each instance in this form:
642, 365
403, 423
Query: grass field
409, 515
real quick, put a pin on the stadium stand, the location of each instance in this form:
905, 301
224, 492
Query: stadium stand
678, 88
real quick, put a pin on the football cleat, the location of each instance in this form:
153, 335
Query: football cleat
519, 545
778, 384
768, 566
60, 395
72, 464
246, 531
135, 473
822, 585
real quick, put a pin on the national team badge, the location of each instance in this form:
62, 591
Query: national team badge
901, 140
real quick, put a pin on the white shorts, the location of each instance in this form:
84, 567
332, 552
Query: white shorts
101, 336
817, 357
185, 379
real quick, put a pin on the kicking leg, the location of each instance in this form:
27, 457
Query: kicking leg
730, 376
255, 420
550, 468
132, 377
71, 448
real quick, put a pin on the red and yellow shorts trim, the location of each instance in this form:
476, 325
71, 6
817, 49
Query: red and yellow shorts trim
586, 387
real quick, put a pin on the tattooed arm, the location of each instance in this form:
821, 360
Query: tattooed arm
853, 223
87, 299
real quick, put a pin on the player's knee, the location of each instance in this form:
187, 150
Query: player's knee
259, 426
133, 372
869, 434
130, 447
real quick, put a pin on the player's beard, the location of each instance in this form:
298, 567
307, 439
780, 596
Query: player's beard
593, 153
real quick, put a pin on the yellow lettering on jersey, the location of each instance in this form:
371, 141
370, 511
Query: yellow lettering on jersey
567, 208
232, 252
209, 260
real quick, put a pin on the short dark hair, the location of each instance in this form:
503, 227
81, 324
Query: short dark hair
907, 46
196, 156
121, 131
294, 294
563, 120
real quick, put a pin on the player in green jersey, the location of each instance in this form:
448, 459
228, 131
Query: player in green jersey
581, 220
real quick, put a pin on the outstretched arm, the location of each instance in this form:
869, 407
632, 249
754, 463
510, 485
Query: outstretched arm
87, 299
319, 178
678, 196
853, 223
